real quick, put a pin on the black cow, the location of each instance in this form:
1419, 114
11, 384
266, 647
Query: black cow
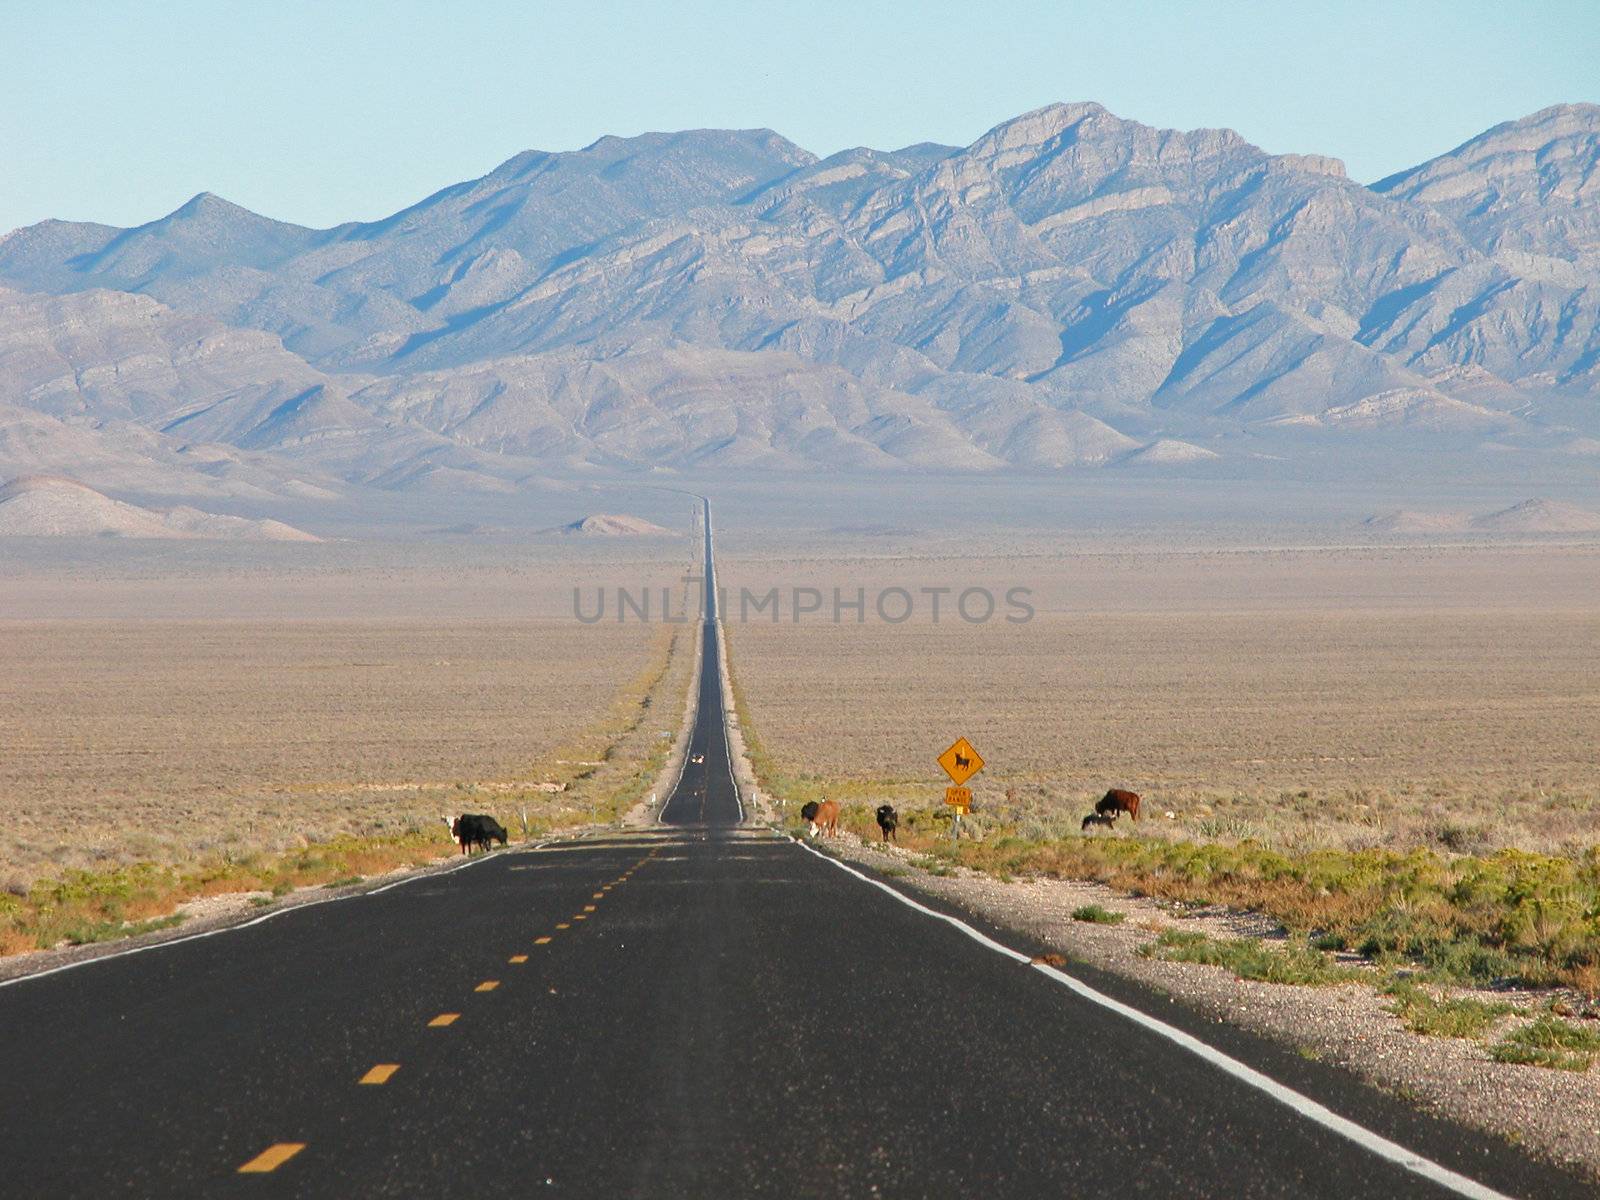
477, 829
888, 821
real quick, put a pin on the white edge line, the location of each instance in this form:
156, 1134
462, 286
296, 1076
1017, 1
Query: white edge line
727, 750
293, 908
1461, 1185
724, 680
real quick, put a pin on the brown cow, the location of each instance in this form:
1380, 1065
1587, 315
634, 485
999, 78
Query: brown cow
825, 820
1117, 801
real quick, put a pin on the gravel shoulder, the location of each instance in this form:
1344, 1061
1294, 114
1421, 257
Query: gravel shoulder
1553, 1113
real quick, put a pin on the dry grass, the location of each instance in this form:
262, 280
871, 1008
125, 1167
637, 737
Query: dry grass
166, 704
134, 741
131, 864
192, 721
1411, 777
1465, 730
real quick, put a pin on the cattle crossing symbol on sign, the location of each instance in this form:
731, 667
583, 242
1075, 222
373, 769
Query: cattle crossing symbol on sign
961, 762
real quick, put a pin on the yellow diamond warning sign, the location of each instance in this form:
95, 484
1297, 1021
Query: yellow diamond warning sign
961, 762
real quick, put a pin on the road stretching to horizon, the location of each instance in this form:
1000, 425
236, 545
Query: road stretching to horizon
698, 1009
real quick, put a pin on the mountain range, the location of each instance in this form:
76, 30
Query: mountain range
1073, 290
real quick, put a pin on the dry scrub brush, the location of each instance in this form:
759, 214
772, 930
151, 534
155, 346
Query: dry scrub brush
1464, 730
601, 771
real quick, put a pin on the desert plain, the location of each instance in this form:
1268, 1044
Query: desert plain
1263, 665
231, 702
1359, 694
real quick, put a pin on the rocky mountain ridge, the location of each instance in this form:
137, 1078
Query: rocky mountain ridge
1073, 290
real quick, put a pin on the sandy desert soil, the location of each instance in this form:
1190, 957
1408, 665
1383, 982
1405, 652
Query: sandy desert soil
1357, 697
169, 708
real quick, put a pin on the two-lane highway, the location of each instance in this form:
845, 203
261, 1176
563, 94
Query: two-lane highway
699, 1010
705, 794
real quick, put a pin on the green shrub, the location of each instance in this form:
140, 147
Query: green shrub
106, 931
1459, 1018
1096, 915
1248, 958
1549, 1042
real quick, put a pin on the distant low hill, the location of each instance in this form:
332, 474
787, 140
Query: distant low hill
615, 525
1530, 516
1408, 521
54, 506
1540, 516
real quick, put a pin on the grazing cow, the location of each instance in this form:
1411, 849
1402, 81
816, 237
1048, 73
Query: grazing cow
459, 830
888, 821
476, 829
481, 829
822, 818
1095, 818
1116, 802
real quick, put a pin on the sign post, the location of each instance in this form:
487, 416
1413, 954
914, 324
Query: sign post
961, 762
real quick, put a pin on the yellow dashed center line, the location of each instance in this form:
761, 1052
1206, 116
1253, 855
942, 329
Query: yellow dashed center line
276, 1155
272, 1158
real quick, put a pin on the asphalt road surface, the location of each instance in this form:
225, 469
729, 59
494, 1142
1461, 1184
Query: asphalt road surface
702, 1010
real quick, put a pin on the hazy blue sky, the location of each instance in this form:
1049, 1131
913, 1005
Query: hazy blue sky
331, 110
